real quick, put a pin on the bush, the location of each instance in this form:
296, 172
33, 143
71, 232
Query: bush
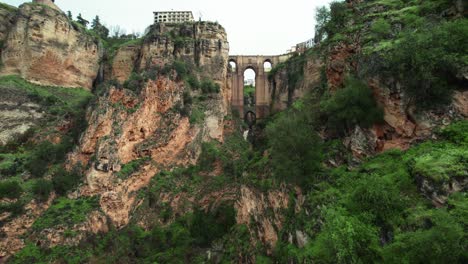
45, 154
441, 165
381, 28
207, 227
42, 188
181, 68
208, 156
64, 181
351, 106
439, 241
295, 148
67, 212
208, 86
345, 239
197, 115
457, 132
135, 82
193, 82
10, 189
131, 167
427, 61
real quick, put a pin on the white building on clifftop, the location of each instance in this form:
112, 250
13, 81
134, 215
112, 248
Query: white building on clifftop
173, 17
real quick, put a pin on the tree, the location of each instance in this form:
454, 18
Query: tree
100, 29
351, 106
427, 61
295, 148
69, 15
81, 20
96, 22
322, 17
116, 31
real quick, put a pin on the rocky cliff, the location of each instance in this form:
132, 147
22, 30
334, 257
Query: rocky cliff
43, 46
325, 68
149, 126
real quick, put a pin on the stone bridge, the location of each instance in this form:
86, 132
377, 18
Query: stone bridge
237, 67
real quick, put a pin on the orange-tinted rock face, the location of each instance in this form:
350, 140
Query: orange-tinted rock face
43, 47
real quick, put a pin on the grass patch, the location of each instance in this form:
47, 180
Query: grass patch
58, 100
8, 7
67, 212
131, 167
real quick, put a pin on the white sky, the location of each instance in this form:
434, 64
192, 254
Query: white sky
254, 27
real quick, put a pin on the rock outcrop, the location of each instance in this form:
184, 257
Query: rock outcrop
126, 126
17, 113
44, 47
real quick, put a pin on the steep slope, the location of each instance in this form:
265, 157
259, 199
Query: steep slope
363, 39
44, 47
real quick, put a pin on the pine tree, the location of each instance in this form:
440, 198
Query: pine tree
100, 29
69, 15
96, 23
81, 20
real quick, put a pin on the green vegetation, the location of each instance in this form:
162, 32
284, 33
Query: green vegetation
295, 148
178, 242
427, 61
381, 28
376, 213
131, 167
42, 189
66, 212
8, 7
353, 105
10, 189
294, 68
30, 154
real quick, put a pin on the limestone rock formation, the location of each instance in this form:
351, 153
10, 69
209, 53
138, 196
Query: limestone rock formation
125, 126
44, 47
17, 114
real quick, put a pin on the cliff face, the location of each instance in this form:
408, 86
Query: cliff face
326, 67
44, 47
128, 127
7, 15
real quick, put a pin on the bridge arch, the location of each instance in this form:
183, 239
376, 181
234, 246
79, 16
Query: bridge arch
260, 65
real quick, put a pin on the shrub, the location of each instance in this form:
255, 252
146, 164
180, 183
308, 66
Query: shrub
64, 181
197, 115
351, 106
345, 239
207, 227
457, 132
181, 68
427, 61
45, 154
208, 156
131, 167
208, 86
67, 212
135, 82
441, 165
10, 189
439, 241
295, 148
42, 189
193, 82
381, 28
379, 196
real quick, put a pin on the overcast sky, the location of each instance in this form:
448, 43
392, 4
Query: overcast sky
254, 27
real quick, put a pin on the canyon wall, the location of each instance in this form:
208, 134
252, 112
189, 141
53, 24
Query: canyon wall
44, 47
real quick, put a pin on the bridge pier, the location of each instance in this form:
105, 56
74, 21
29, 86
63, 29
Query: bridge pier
262, 85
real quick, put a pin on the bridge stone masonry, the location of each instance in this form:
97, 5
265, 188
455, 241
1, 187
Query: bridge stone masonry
262, 84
